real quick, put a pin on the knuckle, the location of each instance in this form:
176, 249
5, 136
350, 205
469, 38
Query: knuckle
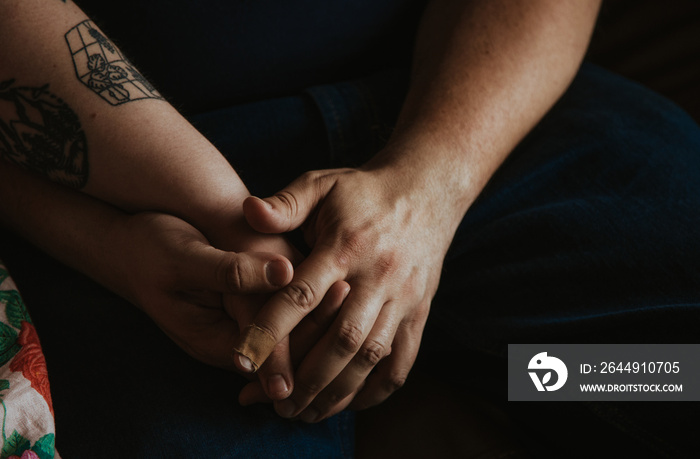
368, 399
331, 399
233, 273
415, 287
310, 176
394, 382
271, 330
386, 265
360, 405
354, 243
423, 311
359, 236
316, 180
301, 294
348, 339
290, 202
372, 352
307, 388
420, 315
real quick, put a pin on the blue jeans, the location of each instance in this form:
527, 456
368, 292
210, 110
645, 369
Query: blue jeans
585, 234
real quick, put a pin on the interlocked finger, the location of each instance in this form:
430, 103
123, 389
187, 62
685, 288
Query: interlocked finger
374, 349
334, 350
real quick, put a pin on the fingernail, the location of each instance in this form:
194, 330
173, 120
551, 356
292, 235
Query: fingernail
309, 415
277, 386
244, 363
286, 408
254, 346
276, 272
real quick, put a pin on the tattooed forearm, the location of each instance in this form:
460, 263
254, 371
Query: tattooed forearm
102, 68
40, 132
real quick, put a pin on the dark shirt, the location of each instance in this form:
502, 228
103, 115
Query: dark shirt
204, 55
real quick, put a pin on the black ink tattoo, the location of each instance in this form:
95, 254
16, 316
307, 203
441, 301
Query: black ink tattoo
102, 68
40, 132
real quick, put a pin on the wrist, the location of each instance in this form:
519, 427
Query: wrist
431, 173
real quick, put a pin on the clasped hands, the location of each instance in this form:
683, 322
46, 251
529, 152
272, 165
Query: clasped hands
345, 327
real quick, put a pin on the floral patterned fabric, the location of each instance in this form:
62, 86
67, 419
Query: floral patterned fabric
27, 424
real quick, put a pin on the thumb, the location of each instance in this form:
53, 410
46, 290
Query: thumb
241, 273
289, 208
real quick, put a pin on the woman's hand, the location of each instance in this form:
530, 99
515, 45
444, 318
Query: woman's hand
201, 297
386, 234
167, 268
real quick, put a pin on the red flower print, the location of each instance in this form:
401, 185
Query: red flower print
26, 455
31, 362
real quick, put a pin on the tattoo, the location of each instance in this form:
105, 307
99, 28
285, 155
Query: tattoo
40, 132
102, 68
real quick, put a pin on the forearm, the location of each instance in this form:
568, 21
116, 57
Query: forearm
485, 72
99, 128
68, 225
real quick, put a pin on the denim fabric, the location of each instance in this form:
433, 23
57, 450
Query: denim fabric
122, 389
588, 231
585, 234
272, 142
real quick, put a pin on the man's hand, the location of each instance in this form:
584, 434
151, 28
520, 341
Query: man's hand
484, 74
301, 340
387, 237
